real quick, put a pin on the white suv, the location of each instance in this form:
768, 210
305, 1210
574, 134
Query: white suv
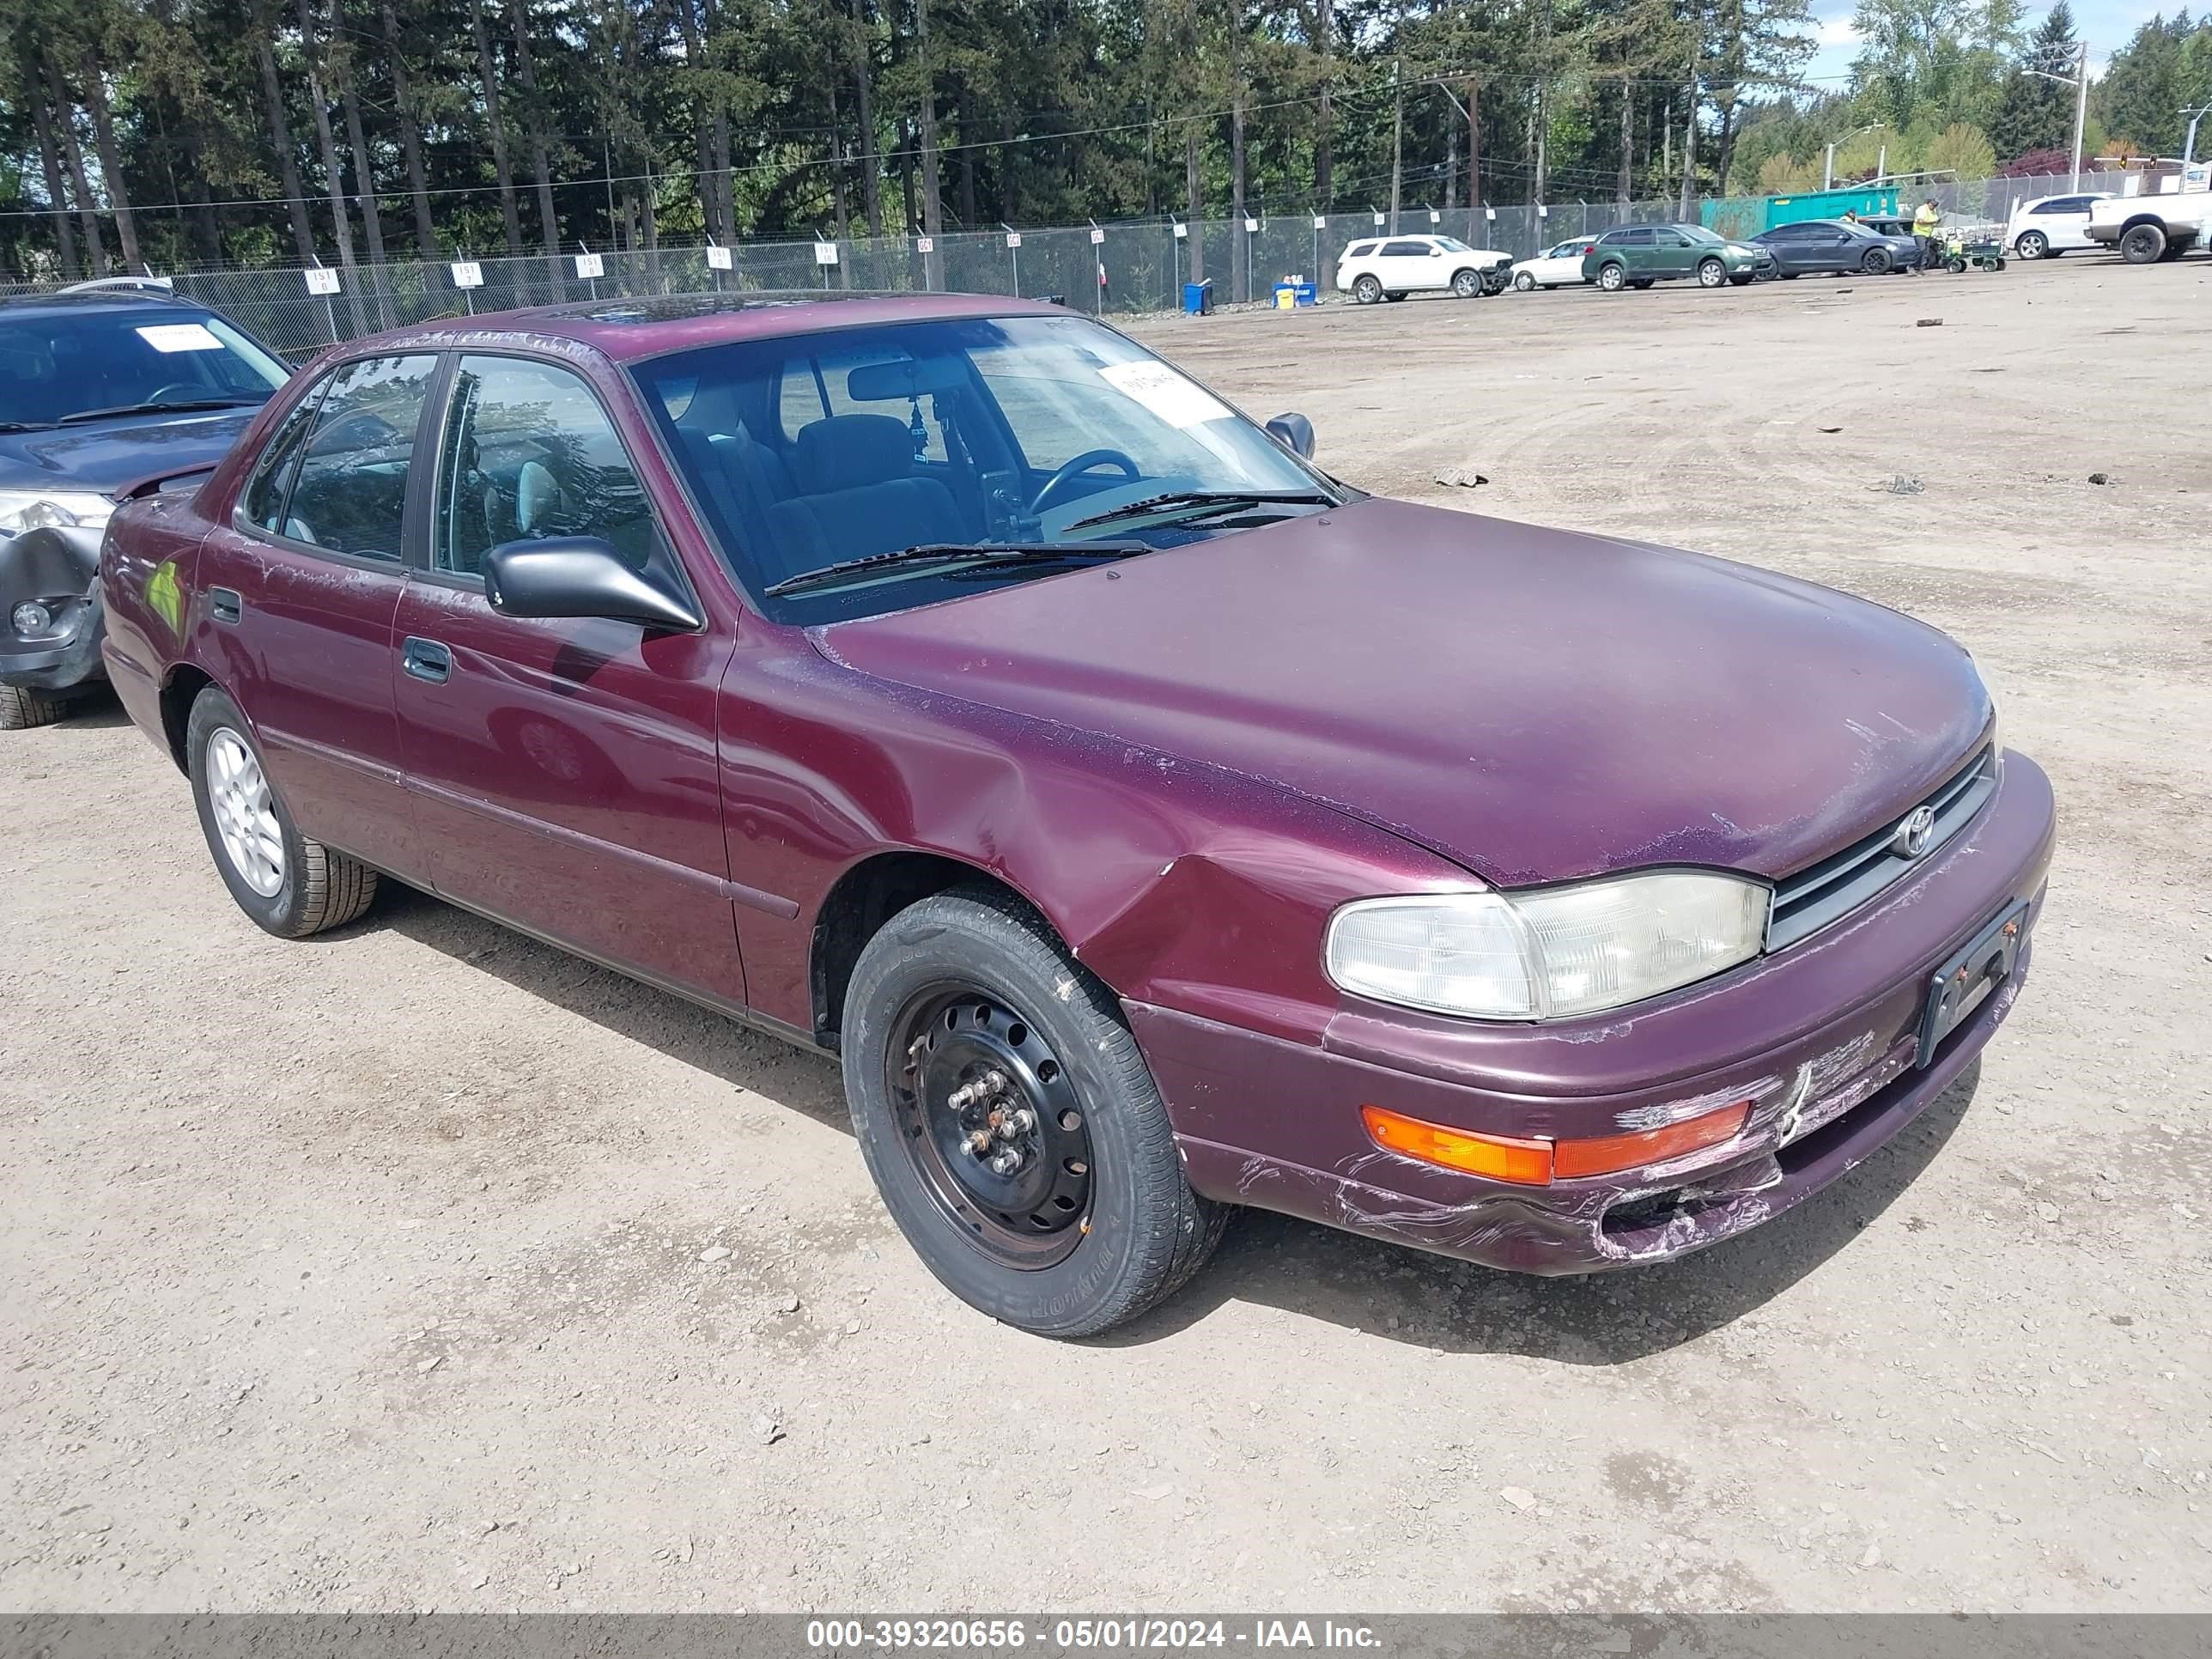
1391, 267
2051, 226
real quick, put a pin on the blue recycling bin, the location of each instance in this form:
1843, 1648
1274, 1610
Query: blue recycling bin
1197, 298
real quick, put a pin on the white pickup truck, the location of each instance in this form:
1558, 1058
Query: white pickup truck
2149, 228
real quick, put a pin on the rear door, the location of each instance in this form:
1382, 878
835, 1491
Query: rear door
300, 591
563, 770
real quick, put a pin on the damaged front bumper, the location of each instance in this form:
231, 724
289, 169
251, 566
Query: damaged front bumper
55, 568
1825, 1040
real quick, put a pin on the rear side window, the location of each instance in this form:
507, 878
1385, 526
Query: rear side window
351, 494
530, 454
263, 502
1359, 249
1407, 251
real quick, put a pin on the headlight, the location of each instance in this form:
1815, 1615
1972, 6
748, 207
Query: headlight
1550, 953
28, 509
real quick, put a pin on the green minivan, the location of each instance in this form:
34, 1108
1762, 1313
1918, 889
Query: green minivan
1637, 256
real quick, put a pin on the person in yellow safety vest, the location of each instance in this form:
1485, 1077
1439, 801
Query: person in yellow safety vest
1924, 225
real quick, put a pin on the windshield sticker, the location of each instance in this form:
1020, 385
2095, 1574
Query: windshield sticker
1178, 402
178, 337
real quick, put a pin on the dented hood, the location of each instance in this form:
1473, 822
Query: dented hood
1533, 704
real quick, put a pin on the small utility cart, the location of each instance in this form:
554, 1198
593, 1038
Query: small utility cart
1971, 247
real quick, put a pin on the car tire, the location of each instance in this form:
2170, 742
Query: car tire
1612, 278
2053, 253
23, 706
2033, 245
2143, 245
1711, 273
1467, 283
1395, 296
1366, 290
1788, 275
1523, 283
1876, 262
291, 886
1642, 282
1743, 279
970, 984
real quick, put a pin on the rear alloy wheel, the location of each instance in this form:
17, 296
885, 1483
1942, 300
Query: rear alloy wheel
2143, 245
2033, 245
1522, 281
1009, 1122
290, 885
23, 706
1367, 290
1612, 278
1468, 284
1876, 262
1711, 273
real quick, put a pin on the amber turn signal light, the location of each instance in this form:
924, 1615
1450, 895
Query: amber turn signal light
1496, 1158
1605, 1153
1538, 1162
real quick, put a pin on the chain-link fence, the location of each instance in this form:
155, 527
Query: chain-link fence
1117, 268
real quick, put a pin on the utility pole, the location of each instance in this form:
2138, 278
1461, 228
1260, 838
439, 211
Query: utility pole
2078, 78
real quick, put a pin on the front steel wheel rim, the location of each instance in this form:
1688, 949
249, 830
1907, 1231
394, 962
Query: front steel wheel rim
992, 1125
244, 813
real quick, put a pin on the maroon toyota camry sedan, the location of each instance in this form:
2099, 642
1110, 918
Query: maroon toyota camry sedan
1151, 823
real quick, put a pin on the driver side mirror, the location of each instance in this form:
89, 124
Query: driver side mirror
1294, 433
581, 576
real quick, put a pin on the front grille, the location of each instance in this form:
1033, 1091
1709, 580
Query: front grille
1825, 892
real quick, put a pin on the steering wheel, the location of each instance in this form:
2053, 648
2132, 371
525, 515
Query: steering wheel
1070, 470
179, 391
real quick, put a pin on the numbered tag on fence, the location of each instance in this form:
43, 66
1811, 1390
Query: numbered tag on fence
925, 245
718, 258
1378, 221
1098, 236
591, 265
321, 280
1320, 223
467, 273
1182, 231
1013, 239
825, 254
1435, 217
1250, 226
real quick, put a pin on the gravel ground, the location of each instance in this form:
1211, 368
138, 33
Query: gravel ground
372, 1272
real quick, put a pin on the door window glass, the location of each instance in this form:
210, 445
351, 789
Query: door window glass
263, 502
529, 453
350, 494
1407, 251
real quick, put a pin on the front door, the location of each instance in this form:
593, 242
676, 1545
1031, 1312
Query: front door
302, 588
563, 770
1673, 255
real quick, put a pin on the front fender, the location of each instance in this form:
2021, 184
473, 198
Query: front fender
1179, 884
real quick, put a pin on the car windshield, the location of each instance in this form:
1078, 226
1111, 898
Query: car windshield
57, 365
1699, 233
1452, 245
810, 451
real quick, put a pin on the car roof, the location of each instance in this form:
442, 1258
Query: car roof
629, 331
118, 301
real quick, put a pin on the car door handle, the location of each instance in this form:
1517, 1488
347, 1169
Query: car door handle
427, 659
224, 605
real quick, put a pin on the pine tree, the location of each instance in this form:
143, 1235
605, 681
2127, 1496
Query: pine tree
2032, 112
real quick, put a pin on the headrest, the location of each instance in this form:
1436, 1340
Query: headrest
849, 452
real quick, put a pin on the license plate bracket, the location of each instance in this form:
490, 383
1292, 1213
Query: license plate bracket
1959, 986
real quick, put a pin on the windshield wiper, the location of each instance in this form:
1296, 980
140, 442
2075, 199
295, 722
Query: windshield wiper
1209, 499
973, 555
26, 426
155, 408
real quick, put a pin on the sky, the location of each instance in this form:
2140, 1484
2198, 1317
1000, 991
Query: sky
2106, 25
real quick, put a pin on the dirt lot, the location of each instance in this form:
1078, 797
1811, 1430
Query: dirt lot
365, 1272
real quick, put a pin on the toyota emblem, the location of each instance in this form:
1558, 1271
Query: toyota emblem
1914, 834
